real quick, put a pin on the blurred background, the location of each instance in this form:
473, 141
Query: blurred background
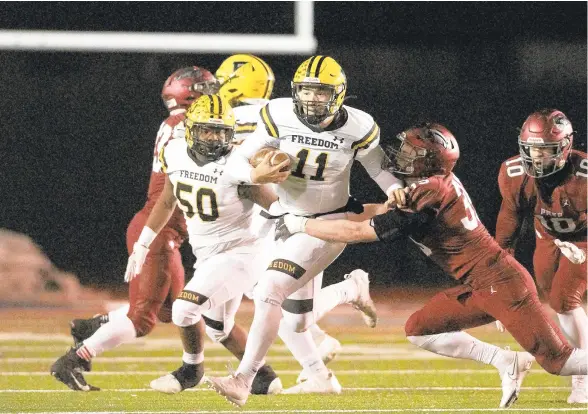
78, 127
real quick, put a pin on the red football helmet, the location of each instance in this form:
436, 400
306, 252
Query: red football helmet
545, 142
186, 85
425, 150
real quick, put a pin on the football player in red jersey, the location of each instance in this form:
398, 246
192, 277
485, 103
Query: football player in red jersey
548, 181
441, 219
162, 276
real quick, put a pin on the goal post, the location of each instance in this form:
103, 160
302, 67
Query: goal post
301, 42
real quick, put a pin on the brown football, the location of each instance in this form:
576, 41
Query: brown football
277, 158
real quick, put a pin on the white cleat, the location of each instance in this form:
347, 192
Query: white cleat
512, 377
233, 388
579, 393
167, 384
364, 302
328, 349
316, 385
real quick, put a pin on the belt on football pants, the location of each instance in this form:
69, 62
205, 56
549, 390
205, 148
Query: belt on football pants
352, 206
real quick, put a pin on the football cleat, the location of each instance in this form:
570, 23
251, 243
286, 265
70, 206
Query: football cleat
316, 384
266, 382
579, 393
233, 388
328, 348
364, 302
512, 377
187, 376
82, 329
68, 370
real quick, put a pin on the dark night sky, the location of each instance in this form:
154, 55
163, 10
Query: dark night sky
78, 128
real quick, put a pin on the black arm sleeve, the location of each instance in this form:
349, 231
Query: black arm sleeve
397, 223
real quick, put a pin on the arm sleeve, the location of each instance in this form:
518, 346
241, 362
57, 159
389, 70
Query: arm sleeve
239, 167
510, 217
369, 153
371, 159
398, 223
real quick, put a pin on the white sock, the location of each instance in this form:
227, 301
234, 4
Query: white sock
262, 334
317, 333
304, 350
577, 363
463, 345
333, 295
110, 335
119, 313
574, 323
193, 358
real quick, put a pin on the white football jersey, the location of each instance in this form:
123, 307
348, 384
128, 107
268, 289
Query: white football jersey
319, 182
246, 119
207, 196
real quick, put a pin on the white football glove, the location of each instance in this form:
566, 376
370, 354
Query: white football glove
571, 251
500, 326
136, 261
288, 225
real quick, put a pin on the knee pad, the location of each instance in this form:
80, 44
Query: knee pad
268, 290
298, 322
185, 313
218, 331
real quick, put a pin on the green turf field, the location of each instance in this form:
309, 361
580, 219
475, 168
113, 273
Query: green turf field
379, 370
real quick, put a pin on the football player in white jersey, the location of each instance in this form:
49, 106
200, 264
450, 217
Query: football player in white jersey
325, 137
247, 83
218, 219
151, 296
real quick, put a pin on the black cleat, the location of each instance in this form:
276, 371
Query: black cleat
266, 382
68, 370
82, 329
187, 376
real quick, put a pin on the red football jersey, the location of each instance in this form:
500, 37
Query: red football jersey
157, 180
456, 240
561, 215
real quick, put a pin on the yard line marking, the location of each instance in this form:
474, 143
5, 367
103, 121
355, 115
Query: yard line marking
390, 410
282, 372
344, 389
383, 356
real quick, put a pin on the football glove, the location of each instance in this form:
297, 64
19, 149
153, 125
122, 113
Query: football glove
289, 225
571, 251
136, 261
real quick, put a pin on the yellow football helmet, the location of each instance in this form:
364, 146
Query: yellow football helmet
210, 124
245, 79
318, 89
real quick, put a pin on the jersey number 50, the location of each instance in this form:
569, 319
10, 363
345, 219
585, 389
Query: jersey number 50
201, 195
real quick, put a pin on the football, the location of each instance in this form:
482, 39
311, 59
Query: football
277, 158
